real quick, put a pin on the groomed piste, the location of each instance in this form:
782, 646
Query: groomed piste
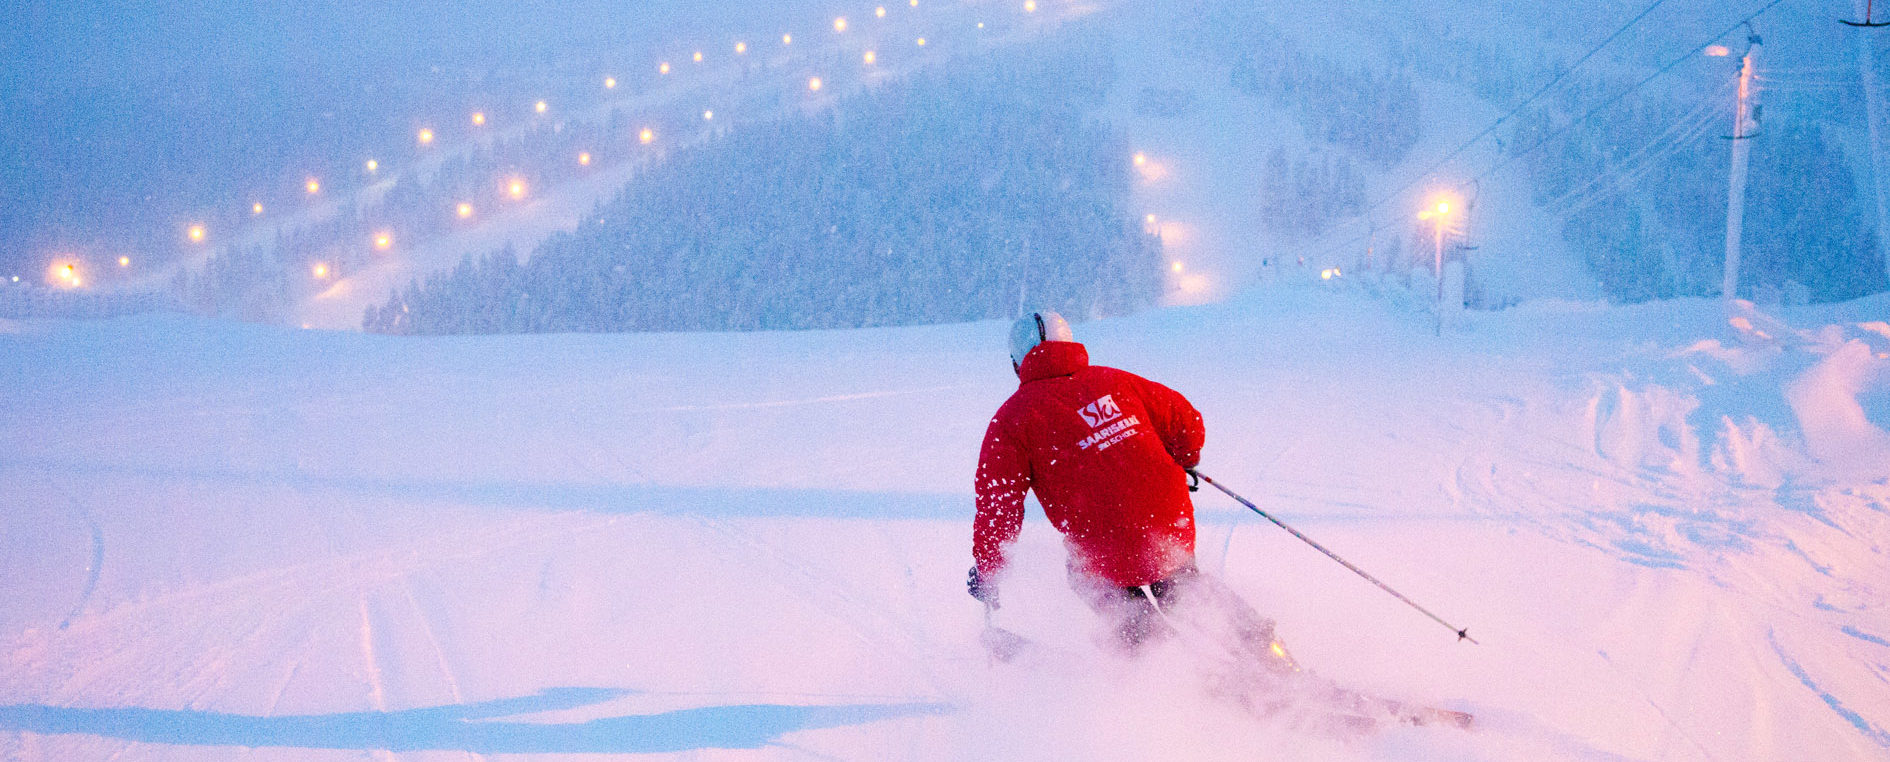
1664, 523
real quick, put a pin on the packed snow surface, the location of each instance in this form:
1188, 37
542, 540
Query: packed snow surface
1666, 524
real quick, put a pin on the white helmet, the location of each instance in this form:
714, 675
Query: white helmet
1037, 328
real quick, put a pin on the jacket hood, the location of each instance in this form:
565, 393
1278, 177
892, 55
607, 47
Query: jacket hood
1051, 359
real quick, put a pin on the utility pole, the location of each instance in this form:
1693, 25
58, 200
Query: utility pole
1879, 127
1743, 127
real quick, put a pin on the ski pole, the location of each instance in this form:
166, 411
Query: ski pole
1462, 633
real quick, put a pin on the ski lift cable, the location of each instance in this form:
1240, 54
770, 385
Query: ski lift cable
1500, 121
1608, 184
1353, 240
1693, 126
1610, 103
1605, 186
1591, 112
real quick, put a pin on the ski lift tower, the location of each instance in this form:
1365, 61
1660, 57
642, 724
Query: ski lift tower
1745, 125
1876, 120
1865, 6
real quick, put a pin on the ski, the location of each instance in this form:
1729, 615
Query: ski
1273, 686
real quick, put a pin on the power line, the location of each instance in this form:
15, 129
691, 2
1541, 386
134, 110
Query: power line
1557, 79
1546, 87
1691, 131
1354, 240
1605, 105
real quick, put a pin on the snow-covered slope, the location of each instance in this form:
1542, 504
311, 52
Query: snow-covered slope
223, 541
1204, 165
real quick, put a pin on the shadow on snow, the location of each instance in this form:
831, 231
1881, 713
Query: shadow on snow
624, 497
465, 727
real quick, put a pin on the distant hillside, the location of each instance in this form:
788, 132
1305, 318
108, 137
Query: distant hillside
956, 195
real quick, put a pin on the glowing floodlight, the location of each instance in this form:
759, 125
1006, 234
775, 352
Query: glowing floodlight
610, 83
1141, 159
515, 188
1030, 6
921, 42
1440, 210
697, 57
880, 11
196, 233
1176, 267
124, 261
256, 208
708, 115
320, 270
584, 159
813, 84
869, 57
646, 136
464, 211
787, 39
662, 68
313, 186
383, 241
741, 48
426, 136
479, 118
840, 24
540, 107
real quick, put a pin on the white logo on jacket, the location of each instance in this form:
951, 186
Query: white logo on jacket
1100, 412
1107, 425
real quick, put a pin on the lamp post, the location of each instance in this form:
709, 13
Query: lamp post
1440, 213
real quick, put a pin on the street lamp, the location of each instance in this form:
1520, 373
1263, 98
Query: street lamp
1441, 213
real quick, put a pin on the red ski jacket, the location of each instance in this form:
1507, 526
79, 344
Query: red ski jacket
1105, 451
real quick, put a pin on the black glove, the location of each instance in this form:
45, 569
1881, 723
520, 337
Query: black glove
979, 588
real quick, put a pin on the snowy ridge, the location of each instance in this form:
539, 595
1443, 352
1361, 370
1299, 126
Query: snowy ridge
1666, 525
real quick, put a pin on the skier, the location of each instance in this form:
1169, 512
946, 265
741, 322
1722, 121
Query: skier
1108, 454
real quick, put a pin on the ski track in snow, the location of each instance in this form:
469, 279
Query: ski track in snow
97, 562
1675, 584
1692, 570
377, 687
